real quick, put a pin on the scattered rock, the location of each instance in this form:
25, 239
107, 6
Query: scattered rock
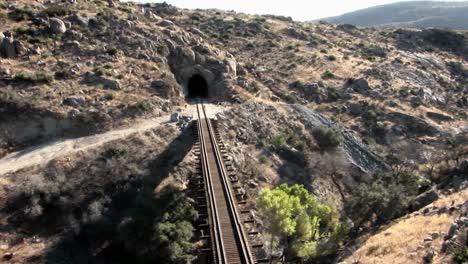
72, 45
464, 209
75, 101
438, 116
429, 256
78, 20
7, 256
57, 26
166, 23
198, 32
20, 49
435, 235
453, 228
356, 109
175, 117
253, 184
296, 33
150, 15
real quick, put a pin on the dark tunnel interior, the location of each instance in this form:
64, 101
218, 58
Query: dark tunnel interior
197, 87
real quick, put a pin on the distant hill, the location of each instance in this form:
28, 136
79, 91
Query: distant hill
409, 14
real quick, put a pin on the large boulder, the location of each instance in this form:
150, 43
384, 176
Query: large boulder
94, 79
359, 85
57, 26
78, 20
163, 88
7, 48
424, 199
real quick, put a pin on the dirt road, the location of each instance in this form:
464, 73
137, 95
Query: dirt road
42, 154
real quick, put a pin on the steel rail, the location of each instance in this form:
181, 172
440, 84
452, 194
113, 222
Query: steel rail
228, 240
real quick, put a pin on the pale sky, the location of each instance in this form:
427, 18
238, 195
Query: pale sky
297, 9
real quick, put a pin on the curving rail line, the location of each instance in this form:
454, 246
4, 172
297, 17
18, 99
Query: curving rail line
229, 243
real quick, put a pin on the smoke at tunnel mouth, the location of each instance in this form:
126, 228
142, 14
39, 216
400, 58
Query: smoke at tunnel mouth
197, 87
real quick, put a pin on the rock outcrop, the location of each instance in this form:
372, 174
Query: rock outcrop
358, 154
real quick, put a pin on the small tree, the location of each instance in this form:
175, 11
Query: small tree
327, 138
291, 213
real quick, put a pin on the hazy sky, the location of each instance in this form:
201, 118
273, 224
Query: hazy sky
298, 9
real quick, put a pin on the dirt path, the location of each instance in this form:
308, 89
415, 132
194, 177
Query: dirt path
42, 154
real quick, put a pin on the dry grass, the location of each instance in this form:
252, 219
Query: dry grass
403, 240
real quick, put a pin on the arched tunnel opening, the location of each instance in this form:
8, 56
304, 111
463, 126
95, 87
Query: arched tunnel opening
197, 87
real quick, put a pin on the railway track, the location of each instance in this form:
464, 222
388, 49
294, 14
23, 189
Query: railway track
228, 240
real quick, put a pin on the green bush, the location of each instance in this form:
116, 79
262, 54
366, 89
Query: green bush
328, 75
327, 138
291, 213
110, 96
118, 150
112, 51
102, 70
263, 160
145, 106
33, 78
278, 141
331, 58
385, 197
21, 14
460, 254
3, 14
57, 11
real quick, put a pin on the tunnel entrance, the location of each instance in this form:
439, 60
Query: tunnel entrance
197, 87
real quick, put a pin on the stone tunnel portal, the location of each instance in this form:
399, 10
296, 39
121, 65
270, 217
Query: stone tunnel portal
197, 87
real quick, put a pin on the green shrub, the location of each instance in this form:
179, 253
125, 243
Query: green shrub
33, 78
57, 11
21, 14
22, 31
460, 254
3, 14
291, 213
263, 160
110, 96
327, 138
278, 141
333, 94
112, 51
118, 150
102, 70
331, 58
385, 197
328, 75
145, 106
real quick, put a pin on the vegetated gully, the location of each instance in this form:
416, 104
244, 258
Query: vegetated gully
224, 226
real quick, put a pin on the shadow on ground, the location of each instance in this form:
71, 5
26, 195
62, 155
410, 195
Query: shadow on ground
106, 216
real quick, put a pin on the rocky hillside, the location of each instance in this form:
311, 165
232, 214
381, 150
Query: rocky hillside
419, 14
371, 121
